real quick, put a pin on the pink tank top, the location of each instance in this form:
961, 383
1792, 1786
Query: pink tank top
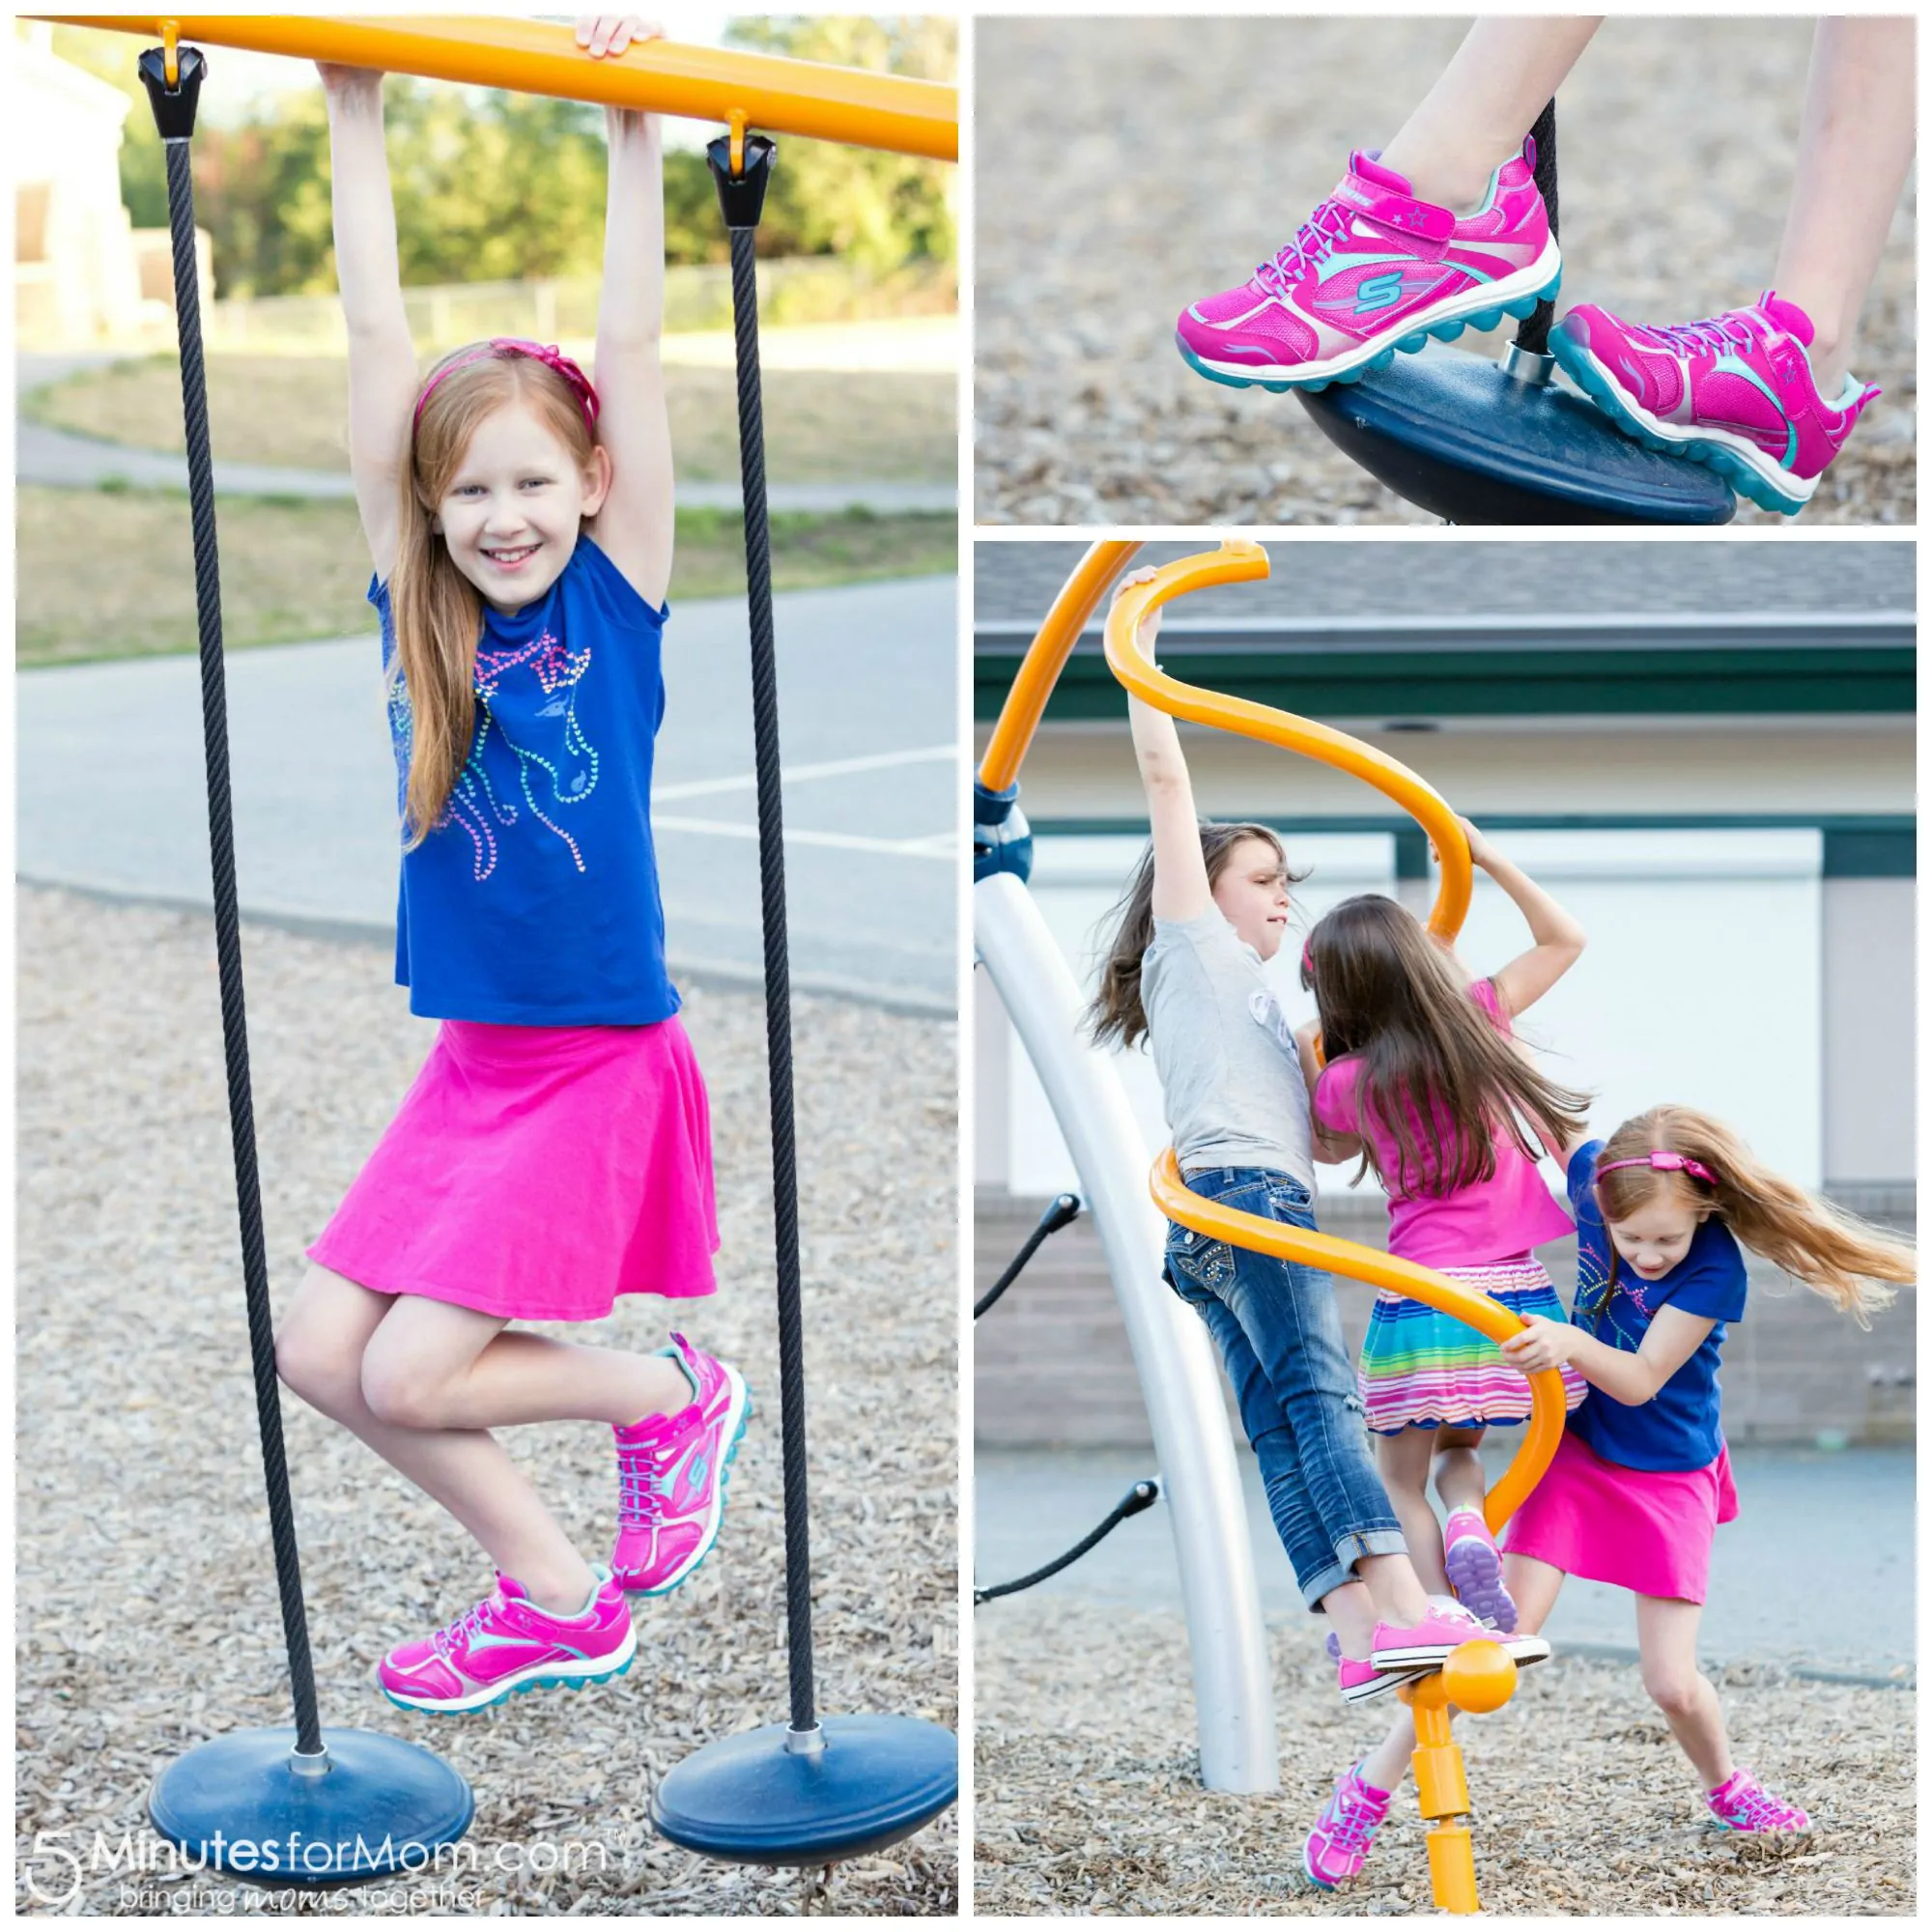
1490, 1221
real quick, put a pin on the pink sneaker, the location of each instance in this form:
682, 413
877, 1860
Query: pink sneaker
671, 1473
1359, 1680
508, 1643
1475, 1567
1334, 1850
1741, 1804
1372, 270
1735, 393
1520, 1649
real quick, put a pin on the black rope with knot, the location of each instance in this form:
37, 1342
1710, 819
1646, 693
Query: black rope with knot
778, 973
228, 938
1534, 334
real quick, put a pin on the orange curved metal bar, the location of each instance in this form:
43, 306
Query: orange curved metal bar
784, 97
1219, 1223
1046, 657
1239, 562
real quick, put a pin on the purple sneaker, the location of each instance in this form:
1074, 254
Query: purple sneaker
1735, 393
1741, 1804
1334, 1850
1374, 270
671, 1475
508, 1643
1475, 1567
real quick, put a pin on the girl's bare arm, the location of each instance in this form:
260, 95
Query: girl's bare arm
637, 524
381, 358
1180, 872
1559, 939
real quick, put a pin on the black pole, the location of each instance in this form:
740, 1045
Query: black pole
741, 194
1534, 334
174, 117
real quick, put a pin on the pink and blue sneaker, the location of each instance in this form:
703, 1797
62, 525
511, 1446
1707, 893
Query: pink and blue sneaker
1335, 1849
671, 1475
1734, 393
1374, 270
508, 1643
1741, 1804
1475, 1567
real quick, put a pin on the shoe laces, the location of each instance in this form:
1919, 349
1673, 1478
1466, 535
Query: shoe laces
464, 1627
1716, 331
1311, 241
1759, 1806
1351, 1819
638, 1501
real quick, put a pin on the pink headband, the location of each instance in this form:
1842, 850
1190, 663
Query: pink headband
1664, 1163
501, 346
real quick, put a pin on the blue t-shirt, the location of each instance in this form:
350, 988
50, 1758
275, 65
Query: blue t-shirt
534, 901
1680, 1427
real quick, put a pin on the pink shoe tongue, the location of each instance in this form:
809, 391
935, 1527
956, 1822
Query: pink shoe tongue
1366, 167
1787, 316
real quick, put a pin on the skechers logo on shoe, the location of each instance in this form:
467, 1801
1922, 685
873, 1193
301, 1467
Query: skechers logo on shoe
1379, 292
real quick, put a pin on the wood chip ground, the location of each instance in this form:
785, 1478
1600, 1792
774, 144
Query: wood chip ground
146, 1611
1088, 1796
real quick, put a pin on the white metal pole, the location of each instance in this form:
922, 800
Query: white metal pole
1234, 1695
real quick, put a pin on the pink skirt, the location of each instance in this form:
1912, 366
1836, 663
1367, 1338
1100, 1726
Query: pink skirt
538, 1173
1647, 1530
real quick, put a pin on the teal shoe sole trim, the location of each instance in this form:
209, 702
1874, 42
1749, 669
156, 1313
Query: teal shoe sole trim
1522, 309
504, 1696
1580, 367
723, 1495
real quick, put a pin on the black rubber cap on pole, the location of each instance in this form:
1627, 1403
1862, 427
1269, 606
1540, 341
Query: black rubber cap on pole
813, 1791
304, 1807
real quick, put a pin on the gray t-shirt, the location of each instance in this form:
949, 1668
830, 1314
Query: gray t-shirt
1224, 1050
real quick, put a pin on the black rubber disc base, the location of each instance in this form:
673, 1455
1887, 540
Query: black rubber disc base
751, 1801
1454, 434
383, 1808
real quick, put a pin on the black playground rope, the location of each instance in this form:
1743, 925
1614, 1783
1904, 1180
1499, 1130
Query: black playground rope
1061, 1210
1143, 1495
1534, 334
741, 196
174, 117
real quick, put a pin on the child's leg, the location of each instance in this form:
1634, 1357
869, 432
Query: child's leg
1667, 1644
1459, 1470
1402, 1462
1483, 104
320, 1351
1855, 144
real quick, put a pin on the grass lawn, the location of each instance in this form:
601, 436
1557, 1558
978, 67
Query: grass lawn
821, 425
294, 570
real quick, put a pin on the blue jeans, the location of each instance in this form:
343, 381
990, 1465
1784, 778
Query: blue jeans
1280, 1335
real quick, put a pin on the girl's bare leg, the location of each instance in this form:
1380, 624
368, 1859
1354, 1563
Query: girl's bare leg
1855, 143
320, 1350
1402, 1463
1483, 104
1667, 1645
1458, 1469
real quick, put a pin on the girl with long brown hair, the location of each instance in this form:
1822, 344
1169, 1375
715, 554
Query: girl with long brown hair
1426, 1084
1208, 908
554, 1152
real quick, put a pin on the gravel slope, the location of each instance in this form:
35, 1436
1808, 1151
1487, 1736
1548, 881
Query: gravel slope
147, 1614
1127, 167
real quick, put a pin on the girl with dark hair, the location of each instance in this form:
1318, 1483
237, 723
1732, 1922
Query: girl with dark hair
1427, 1084
1208, 908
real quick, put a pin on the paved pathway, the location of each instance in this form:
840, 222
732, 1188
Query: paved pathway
65, 460
1806, 1519
111, 788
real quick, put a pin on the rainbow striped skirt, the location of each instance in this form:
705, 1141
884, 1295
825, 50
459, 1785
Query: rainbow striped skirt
1424, 1370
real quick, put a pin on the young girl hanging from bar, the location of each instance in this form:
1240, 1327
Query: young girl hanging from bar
554, 1152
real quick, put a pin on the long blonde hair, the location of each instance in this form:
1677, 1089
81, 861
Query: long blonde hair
1847, 1260
437, 611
